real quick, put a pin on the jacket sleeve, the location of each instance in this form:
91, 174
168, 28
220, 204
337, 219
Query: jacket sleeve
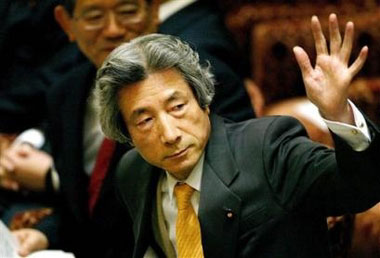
309, 177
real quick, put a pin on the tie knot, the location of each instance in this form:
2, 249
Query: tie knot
183, 193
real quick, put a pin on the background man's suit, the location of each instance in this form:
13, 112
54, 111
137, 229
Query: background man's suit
278, 185
88, 237
36, 54
202, 26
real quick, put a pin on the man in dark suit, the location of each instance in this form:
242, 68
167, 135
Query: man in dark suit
75, 135
36, 55
97, 27
258, 188
88, 207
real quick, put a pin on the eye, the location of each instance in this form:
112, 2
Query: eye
93, 16
178, 107
144, 122
127, 11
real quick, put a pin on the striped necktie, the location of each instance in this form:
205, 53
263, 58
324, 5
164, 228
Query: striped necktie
188, 230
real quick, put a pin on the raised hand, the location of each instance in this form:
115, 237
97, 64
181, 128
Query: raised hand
328, 82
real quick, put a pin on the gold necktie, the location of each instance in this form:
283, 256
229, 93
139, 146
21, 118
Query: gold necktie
188, 230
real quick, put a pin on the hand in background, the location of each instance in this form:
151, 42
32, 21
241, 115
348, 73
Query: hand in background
23, 166
6, 140
30, 240
328, 82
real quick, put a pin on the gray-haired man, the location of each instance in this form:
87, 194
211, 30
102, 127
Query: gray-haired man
260, 188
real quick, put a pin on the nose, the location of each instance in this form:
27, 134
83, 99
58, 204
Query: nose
170, 134
112, 28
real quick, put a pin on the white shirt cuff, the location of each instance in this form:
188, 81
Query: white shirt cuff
33, 136
357, 136
55, 179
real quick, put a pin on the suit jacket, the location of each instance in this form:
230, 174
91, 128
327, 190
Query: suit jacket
278, 185
202, 26
83, 235
37, 54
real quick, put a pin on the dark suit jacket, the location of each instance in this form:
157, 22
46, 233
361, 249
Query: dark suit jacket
36, 66
36, 54
203, 28
279, 186
85, 236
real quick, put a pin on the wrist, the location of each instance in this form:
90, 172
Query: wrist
342, 115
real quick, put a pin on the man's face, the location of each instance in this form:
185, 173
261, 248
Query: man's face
99, 26
166, 124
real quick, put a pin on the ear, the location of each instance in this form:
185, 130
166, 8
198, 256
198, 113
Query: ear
207, 109
64, 20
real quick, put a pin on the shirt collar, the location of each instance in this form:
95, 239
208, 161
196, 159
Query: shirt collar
193, 180
168, 8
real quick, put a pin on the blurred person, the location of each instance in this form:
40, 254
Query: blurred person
36, 54
97, 26
198, 185
27, 206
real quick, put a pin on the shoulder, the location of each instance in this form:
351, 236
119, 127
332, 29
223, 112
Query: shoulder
74, 82
131, 169
130, 159
271, 126
194, 21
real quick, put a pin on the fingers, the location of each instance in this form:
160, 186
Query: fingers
6, 182
9, 184
30, 240
24, 150
335, 38
303, 61
347, 42
319, 38
13, 156
359, 62
337, 48
7, 161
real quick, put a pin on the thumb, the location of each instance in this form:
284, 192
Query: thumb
24, 149
303, 61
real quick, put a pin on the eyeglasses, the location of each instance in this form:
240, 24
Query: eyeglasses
96, 18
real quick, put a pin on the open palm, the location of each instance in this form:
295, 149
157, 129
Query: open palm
328, 82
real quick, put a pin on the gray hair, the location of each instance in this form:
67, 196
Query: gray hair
133, 62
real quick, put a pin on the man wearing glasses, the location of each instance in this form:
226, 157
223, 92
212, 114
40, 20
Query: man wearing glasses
91, 222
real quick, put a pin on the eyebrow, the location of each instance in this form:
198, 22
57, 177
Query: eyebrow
174, 96
137, 113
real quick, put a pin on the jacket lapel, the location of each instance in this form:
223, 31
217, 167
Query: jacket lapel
219, 207
73, 112
140, 206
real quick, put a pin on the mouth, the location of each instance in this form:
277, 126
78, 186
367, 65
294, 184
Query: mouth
109, 49
178, 154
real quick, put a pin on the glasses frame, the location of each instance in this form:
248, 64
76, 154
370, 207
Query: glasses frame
107, 15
